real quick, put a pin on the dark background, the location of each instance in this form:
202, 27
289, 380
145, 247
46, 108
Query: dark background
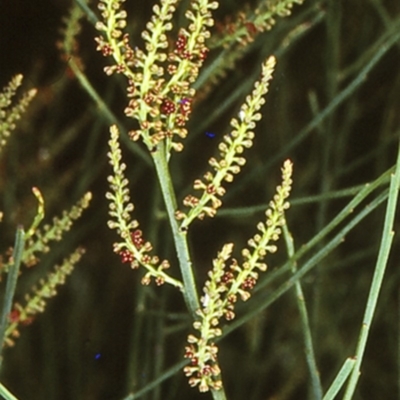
104, 334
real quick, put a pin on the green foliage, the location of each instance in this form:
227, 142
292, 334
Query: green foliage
192, 77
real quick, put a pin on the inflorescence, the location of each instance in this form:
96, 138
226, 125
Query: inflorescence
132, 248
160, 95
226, 284
160, 77
231, 148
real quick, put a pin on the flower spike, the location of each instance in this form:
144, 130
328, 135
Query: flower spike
224, 286
36, 302
231, 148
132, 248
10, 114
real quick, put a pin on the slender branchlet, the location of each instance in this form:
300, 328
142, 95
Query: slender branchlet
41, 237
71, 29
235, 34
225, 285
35, 303
231, 148
9, 113
159, 77
133, 249
39, 214
249, 23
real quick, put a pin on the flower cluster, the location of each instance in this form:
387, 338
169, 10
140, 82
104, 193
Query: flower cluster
159, 78
225, 285
133, 249
203, 369
231, 148
9, 115
36, 303
248, 24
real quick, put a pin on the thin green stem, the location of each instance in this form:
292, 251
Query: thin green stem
11, 284
245, 211
39, 215
383, 255
105, 110
91, 16
340, 379
301, 303
6, 394
385, 44
307, 266
391, 39
218, 394
340, 217
180, 237
163, 377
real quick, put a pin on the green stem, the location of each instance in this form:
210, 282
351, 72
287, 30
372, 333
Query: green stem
105, 110
6, 393
384, 250
340, 379
343, 214
91, 16
180, 240
180, 237
308, 265
11, 284
305, 323
383, 45
218, 394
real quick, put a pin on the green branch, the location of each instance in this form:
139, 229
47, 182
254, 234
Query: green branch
6, 394
180, 237
11, 283
383, 256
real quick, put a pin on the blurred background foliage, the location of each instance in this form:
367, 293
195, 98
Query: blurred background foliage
105, 334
